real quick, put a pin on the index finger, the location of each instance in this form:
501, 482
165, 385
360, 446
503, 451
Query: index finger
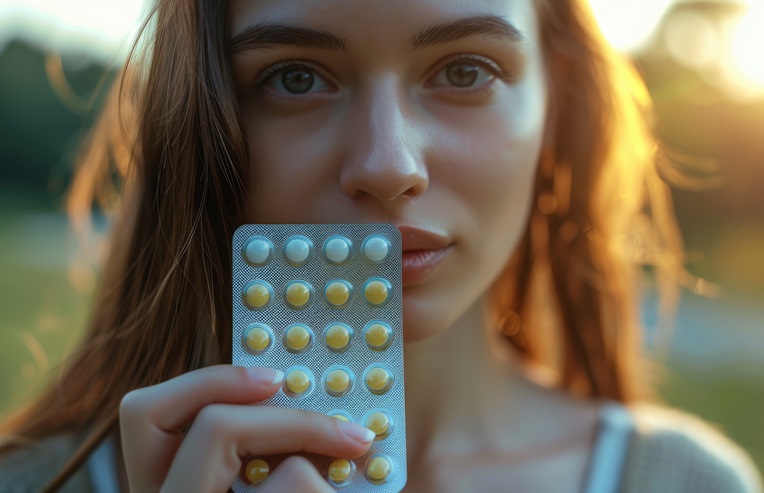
173, 404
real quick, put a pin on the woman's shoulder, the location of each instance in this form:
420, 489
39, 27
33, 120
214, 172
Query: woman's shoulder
673, 451
28, 468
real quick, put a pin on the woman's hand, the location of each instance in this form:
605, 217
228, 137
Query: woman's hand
224, 429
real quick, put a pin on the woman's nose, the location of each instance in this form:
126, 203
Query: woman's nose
385, 158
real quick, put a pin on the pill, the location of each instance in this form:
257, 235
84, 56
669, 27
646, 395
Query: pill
257, 294
297, 294
376, 248
378, 380
337, 337
339, 470
258, 251
337, 293
337, 249
378, 468
377, 335
341, 415
337, 382
297, 338
258, 339
297, 250
297, 381
378, 422
376, 291
256, 471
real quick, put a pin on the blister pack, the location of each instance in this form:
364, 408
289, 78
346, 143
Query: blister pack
323, 304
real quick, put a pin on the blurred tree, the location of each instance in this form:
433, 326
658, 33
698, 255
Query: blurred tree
43, 116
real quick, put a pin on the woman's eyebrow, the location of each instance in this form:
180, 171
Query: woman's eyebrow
266, 35
484, 25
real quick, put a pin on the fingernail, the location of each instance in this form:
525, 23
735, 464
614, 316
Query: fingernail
266, 376
356, 432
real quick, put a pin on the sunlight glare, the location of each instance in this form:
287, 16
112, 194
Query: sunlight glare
103, 29
628, 24
693, 40
747, 43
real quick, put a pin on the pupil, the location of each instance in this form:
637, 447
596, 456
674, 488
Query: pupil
297, 81
462, 74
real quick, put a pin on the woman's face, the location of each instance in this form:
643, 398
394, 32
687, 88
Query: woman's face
428, 114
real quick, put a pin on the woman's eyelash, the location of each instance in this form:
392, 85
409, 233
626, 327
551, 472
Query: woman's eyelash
497, 69
280, 67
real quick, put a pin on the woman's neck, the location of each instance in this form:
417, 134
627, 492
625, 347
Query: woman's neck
467, 395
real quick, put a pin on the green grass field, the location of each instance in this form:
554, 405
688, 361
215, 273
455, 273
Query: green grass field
42, 314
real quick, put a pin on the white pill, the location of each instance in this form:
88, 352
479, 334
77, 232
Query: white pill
375, 249
258, 251
297, 250
336, 250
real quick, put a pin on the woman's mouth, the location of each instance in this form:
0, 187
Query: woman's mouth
422, 252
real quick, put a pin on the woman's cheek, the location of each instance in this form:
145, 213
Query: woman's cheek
292, 160
489, 161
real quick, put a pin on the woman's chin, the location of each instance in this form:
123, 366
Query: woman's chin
421, 322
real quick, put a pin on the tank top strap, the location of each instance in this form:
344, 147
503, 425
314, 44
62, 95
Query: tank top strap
609, 455
102, 468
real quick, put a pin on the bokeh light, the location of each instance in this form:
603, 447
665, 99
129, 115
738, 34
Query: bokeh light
720, 41
747, 43
628, 24
693, 40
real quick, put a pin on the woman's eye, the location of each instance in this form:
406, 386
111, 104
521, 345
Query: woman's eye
463, 74
295, 80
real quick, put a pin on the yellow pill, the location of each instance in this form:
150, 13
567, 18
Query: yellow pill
297, 294
257, 295
377, 335
337, 337
378, 468
339, 470
378, 422
258, 339
378, 379
297, 338
341, 417
256, 471
375, 292
337, 293
338, 381
297, 381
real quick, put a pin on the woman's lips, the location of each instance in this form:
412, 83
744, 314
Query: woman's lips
422, 253
418, 264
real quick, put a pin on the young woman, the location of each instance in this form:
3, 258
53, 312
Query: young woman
508, 143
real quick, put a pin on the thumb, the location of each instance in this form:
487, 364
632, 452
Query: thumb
296, 475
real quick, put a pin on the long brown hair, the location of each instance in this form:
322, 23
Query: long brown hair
168, 161
569, 298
